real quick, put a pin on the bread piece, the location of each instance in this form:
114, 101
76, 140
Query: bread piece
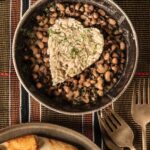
23, 143
51, 144
32, 142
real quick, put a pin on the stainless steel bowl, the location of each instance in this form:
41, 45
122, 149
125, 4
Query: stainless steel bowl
49, 131
57, 104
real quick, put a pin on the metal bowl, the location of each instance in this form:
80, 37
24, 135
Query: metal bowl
57, 104
49, 131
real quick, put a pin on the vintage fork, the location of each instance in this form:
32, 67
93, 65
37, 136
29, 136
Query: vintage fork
140, 108
118, 130
106, 139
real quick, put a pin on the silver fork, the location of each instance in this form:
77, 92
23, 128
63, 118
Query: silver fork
106, 139
140, 108
118, 130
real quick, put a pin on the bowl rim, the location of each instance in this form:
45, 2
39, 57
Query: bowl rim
113, 99
5, 132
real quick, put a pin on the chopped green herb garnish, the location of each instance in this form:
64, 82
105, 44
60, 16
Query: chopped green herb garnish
74, 52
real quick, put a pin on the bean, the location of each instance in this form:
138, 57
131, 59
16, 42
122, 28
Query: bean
115, 55
32, 59
45, 39
86, 9
42, 68
99, 86
75, 82
94, 72
114, 80
39, 35
112, 21
115, 61
100, 80
95, 15
34, 49
46, 59
77, 14
86, 22
123, 61
121, 67
101, 61
86, 98
113, 47
39, 85
66, 89
81, 9
52, 9
60, 7
101, 68
106, 56
38, 18
108, 76
46, 26
47, 65
122, 55
39, 61
37, 56
41, 23
101, 12
36, 68
67, 11
87, 84
86, 6
54, 15
77, 6
69, 95
83, 17
44, 50
114, 68
93, 22
60, 90
76, 94
91, 8
40, 44
100, 92
102, 23
45, 21
92, 82
35, 76
82, 79
122, 45
52, 21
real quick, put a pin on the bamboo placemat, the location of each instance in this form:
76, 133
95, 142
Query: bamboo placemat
17, 106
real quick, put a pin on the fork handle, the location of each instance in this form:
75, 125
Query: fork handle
144, 144
132, 148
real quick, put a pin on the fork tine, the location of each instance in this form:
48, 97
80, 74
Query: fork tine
134, 96
110, 123
139, 99
114, 121
117, 117
105, 126
144, 92
148, 96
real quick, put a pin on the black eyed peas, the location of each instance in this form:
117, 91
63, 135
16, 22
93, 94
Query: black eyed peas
94, 80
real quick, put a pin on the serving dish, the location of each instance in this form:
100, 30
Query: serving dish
49, 131
56, 103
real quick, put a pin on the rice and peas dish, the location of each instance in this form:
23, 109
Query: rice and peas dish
74, 50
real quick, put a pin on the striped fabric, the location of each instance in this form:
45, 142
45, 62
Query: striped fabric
17, 106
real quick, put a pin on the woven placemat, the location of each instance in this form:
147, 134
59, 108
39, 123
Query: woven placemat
17, 106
